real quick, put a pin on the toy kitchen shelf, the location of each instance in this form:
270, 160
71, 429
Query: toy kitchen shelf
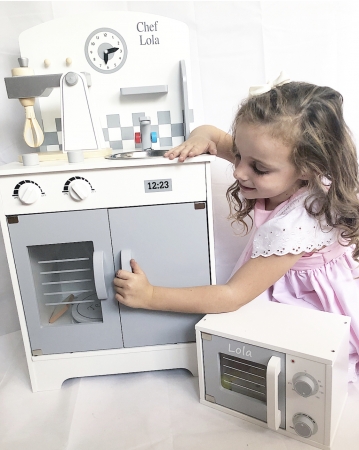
68, 227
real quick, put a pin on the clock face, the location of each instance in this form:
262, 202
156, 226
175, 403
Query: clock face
106, 50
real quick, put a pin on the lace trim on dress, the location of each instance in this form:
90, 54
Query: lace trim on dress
292, 230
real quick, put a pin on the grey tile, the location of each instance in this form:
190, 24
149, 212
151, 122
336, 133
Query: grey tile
163, 117
51, 138
105, 134
127, 133
135, 117
116, 145
177, 129
166, 142
191, 115
58, 124
113, 120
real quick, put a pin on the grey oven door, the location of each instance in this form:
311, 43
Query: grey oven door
65, 268
170, 243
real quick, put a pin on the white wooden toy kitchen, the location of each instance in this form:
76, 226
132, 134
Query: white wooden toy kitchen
70, 223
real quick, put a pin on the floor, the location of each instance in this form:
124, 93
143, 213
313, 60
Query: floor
140, 411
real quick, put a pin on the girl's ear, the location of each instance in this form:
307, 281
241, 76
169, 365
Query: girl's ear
306, 175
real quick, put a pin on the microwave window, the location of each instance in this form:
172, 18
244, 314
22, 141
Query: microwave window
64, 283
243, 376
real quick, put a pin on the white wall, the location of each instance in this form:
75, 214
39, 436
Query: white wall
235, 44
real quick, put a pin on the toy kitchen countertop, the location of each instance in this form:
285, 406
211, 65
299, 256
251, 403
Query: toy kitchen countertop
99, 182
17, 168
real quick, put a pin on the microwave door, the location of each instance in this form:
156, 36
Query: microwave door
245, 378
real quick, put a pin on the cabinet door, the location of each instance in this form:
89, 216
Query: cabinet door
65, 269
170, 242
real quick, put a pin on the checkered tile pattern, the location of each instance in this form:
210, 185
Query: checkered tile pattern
119, 132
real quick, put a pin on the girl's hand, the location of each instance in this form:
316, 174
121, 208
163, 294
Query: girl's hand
133, 289
195, 145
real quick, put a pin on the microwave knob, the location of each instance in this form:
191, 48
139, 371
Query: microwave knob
29, 193
304, 384
304, 425
79, 189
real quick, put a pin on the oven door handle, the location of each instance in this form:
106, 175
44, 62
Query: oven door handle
273, 412
99, 274
125, 258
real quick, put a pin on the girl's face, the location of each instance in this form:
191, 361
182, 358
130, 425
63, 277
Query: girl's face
263, 167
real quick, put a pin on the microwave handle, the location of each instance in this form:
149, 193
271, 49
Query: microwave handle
273, 413
99, 274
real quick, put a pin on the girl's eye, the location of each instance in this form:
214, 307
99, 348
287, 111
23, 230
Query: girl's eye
259, 172
254, 166
237, 159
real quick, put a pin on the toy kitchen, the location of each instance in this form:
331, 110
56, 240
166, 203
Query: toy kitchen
104, 96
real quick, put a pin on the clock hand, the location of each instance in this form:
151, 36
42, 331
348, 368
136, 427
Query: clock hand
107, 52
112, 50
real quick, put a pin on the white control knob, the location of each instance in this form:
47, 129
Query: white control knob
304, 384
79, 190
304, 425
29, 193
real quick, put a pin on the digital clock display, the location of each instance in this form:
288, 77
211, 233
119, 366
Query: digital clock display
158, 185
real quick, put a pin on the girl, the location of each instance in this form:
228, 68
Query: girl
296, 179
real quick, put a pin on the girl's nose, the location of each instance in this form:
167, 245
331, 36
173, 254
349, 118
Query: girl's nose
240, 173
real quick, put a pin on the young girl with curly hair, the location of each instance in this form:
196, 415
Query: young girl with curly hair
296, 180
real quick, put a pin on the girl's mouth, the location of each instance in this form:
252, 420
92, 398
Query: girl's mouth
245, 189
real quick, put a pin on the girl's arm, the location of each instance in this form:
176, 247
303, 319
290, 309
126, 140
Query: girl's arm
204, 139
253, 278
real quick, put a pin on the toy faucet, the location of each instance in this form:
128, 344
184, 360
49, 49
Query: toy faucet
146, 137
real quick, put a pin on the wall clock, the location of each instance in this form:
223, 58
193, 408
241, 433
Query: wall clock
105, 50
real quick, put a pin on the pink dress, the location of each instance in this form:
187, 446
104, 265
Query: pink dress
321, 279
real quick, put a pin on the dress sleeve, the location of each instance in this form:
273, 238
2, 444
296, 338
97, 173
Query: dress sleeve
292, 230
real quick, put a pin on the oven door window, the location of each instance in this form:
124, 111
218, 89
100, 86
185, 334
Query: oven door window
64, 283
